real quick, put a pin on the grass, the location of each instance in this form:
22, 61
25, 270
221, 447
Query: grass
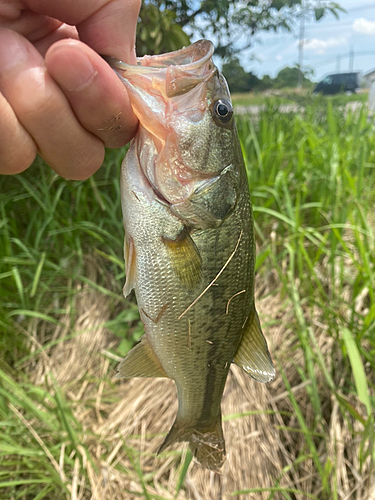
64, 325
292, 96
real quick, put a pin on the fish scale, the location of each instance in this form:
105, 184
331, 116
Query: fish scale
189, 243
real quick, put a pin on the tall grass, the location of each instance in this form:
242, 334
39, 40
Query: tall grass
314, 192
312, 179
293, 96
313, 197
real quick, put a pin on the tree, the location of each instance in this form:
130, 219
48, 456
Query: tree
237, 78
288, 77
166, 25
159, 31
265, 83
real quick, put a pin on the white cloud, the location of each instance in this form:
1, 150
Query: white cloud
279, 58
321, 46
364, 27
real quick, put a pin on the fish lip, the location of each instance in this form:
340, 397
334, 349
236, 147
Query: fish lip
160, 63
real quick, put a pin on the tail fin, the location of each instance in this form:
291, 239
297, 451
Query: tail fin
206, 443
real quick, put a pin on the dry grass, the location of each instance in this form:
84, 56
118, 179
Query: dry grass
124, 421
70, 430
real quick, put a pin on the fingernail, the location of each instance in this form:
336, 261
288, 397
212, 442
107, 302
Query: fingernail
72, 68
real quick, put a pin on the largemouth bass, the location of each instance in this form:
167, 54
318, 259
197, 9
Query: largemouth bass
189, 243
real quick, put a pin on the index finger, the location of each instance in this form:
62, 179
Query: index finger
107, 26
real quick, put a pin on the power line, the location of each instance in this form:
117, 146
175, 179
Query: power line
361, 7
280, 38
338, 24
301, 42
348, 54
285, 37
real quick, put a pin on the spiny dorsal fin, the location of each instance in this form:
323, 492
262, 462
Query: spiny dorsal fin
252, 354
141, 362
185, 258
130, 265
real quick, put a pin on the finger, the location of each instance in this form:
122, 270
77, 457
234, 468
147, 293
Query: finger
39, 29
29, 24
108, 26
44, 111
17, 148
61, 33
96, 94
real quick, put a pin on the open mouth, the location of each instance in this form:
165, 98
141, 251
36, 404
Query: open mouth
191, 57
172, 74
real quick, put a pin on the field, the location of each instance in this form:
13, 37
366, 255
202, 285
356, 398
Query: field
70, 430
294, 96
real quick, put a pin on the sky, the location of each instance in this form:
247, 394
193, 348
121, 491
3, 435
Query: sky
327, 44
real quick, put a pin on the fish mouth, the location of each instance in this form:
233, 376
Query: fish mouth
172, 74
190, 58
170, 93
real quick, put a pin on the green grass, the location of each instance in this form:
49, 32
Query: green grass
292, 96
312, 179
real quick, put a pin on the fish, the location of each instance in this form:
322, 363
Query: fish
189, 241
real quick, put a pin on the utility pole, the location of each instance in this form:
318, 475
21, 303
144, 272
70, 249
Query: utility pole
338, 63
300, 44
351, 59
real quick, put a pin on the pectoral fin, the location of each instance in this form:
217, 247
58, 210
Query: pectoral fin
141, 362
252, 354
185, 258
130, 265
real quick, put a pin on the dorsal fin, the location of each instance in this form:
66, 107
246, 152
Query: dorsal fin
141, 362
252, 354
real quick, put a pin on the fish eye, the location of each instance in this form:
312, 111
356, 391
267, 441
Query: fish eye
222, 111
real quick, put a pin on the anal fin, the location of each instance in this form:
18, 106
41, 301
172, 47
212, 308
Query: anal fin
141, 362
252, 354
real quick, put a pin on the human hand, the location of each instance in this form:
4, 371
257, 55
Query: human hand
58, 97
